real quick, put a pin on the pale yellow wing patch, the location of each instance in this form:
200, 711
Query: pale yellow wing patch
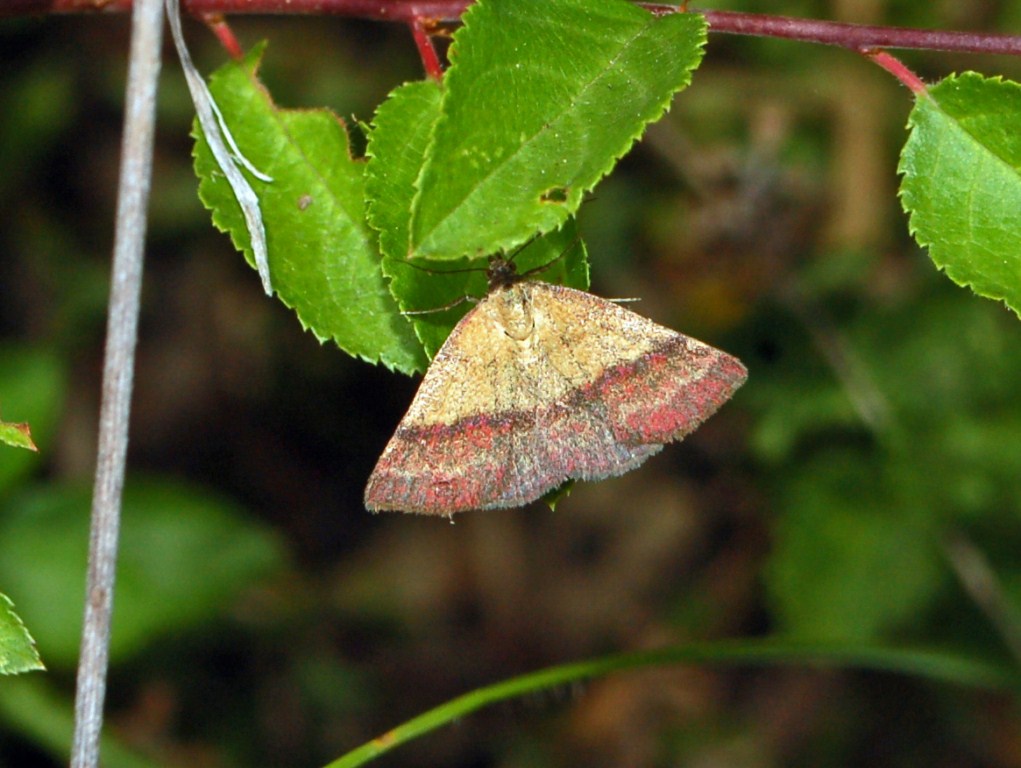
525, 346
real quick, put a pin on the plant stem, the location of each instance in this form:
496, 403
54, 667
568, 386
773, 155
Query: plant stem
219, 27
860, 37
896, 68
854, 36
118, 371
758, 652
380, 10
430, 60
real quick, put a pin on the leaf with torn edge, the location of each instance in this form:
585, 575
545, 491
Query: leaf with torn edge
323, 255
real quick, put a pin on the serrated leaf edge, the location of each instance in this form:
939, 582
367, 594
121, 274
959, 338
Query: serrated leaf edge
37, 662
911, 208
251, 67
656, 112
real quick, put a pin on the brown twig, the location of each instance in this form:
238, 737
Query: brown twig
856, 37
380, 10
860, 37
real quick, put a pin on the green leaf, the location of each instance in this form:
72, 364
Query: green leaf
440, 290
323, 257
543, 96
17, 435
397, 146
183, 554
401, 131
962, 182
32, 389
17, 649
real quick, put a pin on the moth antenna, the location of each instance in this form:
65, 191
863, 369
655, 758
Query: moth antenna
444, 308
435, 271
551, 262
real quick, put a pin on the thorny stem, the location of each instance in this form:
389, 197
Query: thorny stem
853, 36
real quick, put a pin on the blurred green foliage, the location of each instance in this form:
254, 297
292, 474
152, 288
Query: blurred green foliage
184, 555
908, 440
33, 385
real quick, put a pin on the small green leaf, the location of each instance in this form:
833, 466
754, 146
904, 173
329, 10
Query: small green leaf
962, 182
17, 435
444, 291
542, 98
323, 257
562, 491
184, 553
17, 649
32, 390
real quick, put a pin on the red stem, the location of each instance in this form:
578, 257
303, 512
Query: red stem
896, 68
430, 60
224, 34
860, 36
854, 36
380, 10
